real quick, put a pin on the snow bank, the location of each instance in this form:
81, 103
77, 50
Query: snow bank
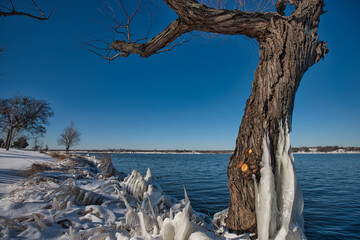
14, 160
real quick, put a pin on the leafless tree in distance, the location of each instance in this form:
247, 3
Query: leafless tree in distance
23, 114
289, 45
69, 137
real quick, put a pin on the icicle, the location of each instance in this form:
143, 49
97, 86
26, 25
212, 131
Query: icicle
72, 235
129, 208
160, 222
156, 230
278, 199
187, 210
183, 227
266, 205
290, 196
148, 177
131, 218
257, 200
186, 195
151, 208
144, 233
171, 214
69, 204
55, 204
59, 214
117, 191
38, 221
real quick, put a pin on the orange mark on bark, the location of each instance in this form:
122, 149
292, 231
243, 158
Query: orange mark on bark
244, 167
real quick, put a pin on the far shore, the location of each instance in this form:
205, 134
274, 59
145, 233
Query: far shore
82, 151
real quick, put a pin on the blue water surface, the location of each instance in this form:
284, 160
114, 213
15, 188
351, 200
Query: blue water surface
330, 185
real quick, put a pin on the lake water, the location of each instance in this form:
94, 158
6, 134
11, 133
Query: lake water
330, 185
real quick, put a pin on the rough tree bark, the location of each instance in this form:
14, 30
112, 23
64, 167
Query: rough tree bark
288, 47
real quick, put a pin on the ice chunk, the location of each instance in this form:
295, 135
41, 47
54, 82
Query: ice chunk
136, 184
167, 231
199, 236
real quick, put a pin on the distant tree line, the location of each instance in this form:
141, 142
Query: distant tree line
325, 149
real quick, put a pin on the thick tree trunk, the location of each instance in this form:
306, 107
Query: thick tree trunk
286, 52
261, 174
9, 138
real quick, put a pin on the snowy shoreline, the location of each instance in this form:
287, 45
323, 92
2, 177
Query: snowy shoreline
78, 197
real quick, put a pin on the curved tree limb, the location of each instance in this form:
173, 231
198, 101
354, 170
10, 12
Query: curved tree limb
160, 41
196, 16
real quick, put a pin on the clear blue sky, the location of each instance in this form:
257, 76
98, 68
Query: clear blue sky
192, 97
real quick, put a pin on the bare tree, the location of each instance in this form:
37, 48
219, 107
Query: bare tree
70, 137
23, 8
23, 114
36, 146
289, 46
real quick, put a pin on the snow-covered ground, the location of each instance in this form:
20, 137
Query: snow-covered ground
86, 198
14, 160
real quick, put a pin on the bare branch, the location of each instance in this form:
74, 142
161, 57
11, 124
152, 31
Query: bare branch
243, 5
120, 26
36, 12
163, 39
119, 2
136, 10
169, 49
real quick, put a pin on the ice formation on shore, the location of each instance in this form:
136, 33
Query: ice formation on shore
279, 202
85, 198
